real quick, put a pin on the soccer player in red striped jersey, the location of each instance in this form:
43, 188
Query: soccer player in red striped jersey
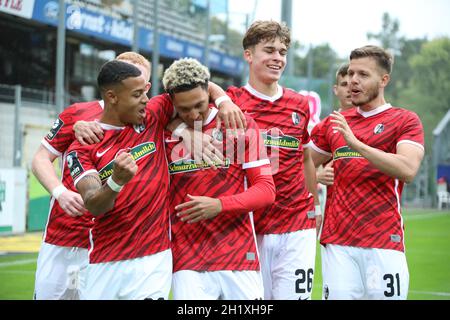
325, 175
123, 181
213, 240
376, 148
286, 229
65, 240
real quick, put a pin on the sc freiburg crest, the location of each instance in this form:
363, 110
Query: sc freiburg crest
379, 128
295, 118
139, 128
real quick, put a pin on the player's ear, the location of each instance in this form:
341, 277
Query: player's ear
385, 80
110, 96
248, 54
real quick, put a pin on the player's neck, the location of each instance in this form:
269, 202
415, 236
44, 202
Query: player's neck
375, 103
112, 119
269, 90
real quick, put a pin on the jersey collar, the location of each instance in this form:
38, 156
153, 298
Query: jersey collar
258, 94
211, 116
106, 126
375, 111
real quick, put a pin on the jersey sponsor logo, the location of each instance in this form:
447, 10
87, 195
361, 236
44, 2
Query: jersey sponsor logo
75, 167
379, 128
280, 141
295, 118
346, 152
138, 152
189, 165
57, 125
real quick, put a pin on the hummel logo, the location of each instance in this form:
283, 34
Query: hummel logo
249, 113
100, 154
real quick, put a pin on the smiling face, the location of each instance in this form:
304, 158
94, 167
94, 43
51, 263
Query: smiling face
267, 60
192, 105
367, 82
130, 99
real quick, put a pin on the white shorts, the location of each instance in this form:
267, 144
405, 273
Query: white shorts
214, 285
141, 278
351, 273
57, 272
287, 264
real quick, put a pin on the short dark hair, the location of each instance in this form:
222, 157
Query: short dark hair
383, 58
266, 30
342, 71
114, 72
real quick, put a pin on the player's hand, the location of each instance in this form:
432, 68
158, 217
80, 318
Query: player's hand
342, 126
72, 203
326, 176
231, 116
124, 168
203, 147
198, 208
88, 132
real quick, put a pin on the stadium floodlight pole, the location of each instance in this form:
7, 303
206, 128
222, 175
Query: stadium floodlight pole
208, 32
155, 50
310, 67
135, 46
17, 129
286, 17
244, 74
227, 32
60, 56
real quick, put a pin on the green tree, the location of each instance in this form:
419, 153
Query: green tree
428, 92
323, 58
388, 36
402, 49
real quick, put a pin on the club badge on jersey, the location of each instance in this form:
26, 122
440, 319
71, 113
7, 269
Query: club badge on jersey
295, 118
139, 128
217, 134
379, 128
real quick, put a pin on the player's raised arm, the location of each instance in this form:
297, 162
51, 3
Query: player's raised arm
100, 199
231, 115
403, 165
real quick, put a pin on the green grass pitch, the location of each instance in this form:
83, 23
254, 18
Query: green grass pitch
427, 241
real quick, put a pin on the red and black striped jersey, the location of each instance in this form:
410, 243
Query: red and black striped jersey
285, 126
138, 224
316, 131
228, 241
366, 209
62, 229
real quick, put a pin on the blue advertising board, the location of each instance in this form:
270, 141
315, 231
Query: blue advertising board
107, 28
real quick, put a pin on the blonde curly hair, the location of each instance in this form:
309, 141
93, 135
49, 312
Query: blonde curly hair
185, 74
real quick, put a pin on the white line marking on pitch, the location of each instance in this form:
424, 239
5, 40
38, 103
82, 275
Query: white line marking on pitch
443, 294
16, 262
